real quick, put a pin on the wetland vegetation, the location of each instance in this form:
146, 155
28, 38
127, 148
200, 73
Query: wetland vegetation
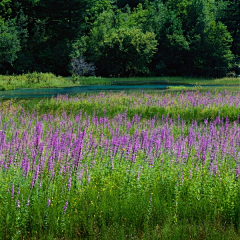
121, 165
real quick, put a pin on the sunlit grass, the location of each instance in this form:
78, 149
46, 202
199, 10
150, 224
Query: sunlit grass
49, 80
167, 80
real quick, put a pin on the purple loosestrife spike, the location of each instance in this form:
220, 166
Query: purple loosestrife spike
138, 176
26, 168
27, 202
81, 174
48, 202
12, 191
190, 174
215, 169
35, 176
65, 208
69, 183
89, 178
150, 201
151, 162
18, 203
237, 173
182, 178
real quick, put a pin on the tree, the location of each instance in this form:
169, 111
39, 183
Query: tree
210, 42
231, 18
51, 26
173, 47
120, 37
127, 52
9, 42
119, 50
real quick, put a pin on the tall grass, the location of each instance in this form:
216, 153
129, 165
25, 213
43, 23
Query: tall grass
190, 105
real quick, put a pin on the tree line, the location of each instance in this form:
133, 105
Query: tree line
114, 38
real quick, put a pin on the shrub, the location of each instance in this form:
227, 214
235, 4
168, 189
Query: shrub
80, 67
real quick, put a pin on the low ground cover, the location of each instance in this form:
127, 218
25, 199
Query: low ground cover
69, 173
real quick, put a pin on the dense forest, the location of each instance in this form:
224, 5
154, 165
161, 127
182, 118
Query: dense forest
116, 38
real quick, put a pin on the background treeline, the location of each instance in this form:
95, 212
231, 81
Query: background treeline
120, 37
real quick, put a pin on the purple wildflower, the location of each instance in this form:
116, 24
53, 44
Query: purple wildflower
237, 173
69, 183
48, 202
12, 191
65, 207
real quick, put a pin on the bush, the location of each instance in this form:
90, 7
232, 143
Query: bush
80, 67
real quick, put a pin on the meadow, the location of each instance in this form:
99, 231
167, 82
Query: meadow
121, 166
49, 80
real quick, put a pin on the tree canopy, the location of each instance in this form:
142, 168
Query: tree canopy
120, 37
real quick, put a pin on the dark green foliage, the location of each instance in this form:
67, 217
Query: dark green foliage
166, 37
231, 19
9, 42
131, 3
173, 50
5, 9
125, 51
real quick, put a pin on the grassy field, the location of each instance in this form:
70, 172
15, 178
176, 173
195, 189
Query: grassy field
167, 80
121, 166
49, 80
188, 105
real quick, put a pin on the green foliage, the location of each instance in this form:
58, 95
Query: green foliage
118, 46
95, 7
189, 43
180, 7
32, 80
5, 9
217, 44
47, 35
130, 3
231, 18
126, 51
9, 42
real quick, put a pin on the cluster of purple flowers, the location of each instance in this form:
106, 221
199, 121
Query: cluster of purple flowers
178, 99
74, 145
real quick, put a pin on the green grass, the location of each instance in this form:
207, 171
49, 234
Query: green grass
49, 80
177, 88
133, 103
167, 80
